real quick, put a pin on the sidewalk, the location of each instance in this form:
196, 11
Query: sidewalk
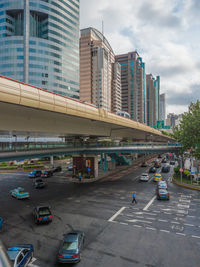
116, 174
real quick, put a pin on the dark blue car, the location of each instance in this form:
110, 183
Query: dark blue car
35, 174
20, 255
71, 247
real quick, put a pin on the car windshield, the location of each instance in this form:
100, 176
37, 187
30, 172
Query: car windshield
162, 191
69, 245
44, 211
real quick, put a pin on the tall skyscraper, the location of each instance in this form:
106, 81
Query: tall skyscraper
153, 99
99, 75
39, 43
162, 107
133, 80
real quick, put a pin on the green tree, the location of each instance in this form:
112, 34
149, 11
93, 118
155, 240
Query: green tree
188, 132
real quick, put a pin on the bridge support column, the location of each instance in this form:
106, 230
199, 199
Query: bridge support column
105, 162
101, 161
51, 160
86, 164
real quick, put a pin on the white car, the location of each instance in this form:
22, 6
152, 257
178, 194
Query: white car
162, 185
144, 177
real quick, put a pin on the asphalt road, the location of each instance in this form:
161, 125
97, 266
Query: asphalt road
118, 233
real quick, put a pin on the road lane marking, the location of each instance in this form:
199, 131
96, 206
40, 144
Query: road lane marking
124, 223
188, 224
191, 216
181, 234
149, 204
154, 229
175, 222
136, 220
137, 225
162, 220
116, 214
166, 231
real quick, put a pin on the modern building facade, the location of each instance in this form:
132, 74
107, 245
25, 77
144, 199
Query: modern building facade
99, 75
133, 81
171, 119
162, 107
39, 43
153, 99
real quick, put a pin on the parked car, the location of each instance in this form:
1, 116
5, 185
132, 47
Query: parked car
57, 169
47, 173
21, 254
35, 174
162, 194
39, 183
71, 247
157, 177
19, 193
152, 170
172, 162
42, 214
162, 184
144, 164
165, 169
144, 177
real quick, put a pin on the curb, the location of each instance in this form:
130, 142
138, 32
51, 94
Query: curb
13, 171
185, 185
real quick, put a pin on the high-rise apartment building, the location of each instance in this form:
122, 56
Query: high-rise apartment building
153, 88
133, 81
39, 43
162, 107
99, 75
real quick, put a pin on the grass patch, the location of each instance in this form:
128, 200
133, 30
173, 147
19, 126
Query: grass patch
184, 180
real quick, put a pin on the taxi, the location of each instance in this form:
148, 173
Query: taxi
157, 177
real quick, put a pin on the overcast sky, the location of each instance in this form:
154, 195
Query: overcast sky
166, 34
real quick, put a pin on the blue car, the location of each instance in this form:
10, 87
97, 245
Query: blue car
35, 174
19, 193
71, 247
20, 255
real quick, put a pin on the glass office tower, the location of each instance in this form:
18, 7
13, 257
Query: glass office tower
39, 43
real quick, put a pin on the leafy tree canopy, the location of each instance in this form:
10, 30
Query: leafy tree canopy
188, 132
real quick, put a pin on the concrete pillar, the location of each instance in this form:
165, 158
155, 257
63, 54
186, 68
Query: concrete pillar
105, 162
101, 161
51, 160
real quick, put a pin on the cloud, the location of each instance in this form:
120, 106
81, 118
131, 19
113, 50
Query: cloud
164, 32
184, 99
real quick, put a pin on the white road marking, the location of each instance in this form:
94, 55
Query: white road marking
195, 236
175, 222
166, 231
157, 211
181, 234
184, 200
135, 220
140, 217
150, 214
116, 214
31, 263
149, 204
167, 212
191, 216
183, 206
188, 224
162, 220
186, 196
137, 225
150, 228
124, 223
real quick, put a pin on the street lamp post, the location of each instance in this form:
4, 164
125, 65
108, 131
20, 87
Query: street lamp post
181, 167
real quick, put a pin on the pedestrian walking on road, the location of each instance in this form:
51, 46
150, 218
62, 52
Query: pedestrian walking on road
134, 198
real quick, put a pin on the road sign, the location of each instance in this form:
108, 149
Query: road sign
192, 173
89, 169
180, 170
